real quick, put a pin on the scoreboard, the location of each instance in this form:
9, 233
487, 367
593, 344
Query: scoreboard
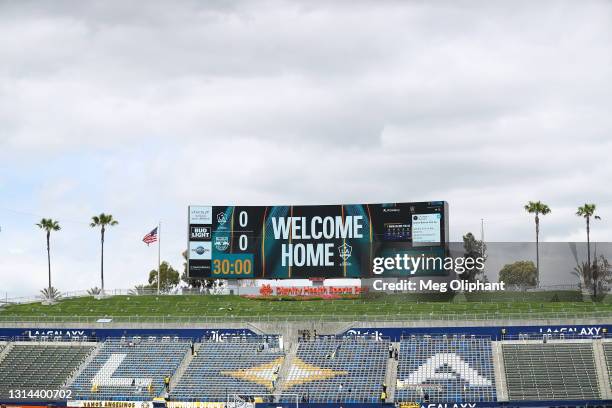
300, 242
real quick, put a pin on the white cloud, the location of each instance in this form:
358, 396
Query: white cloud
141, 110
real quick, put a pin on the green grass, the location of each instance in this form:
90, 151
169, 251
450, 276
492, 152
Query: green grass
228, 308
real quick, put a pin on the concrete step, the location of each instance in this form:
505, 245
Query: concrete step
283, 373
391, 376
7, 348
183, 366
501, 386
94, 352
602, 370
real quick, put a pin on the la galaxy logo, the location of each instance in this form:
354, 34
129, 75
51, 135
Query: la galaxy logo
221, 218
54, 333
345, 251
575, 330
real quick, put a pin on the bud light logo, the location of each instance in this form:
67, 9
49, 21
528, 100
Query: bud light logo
200, 233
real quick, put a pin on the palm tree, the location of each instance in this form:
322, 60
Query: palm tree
587, 211
51, 294
102, 221
49, 225
538, 208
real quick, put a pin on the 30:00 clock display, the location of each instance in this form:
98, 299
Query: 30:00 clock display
237, 267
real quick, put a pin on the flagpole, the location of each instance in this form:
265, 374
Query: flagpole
158, 256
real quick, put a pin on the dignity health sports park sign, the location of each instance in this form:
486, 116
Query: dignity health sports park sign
325, 241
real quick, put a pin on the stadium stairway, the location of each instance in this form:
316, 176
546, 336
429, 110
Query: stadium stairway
391, 376
283, 373
178, 374
329, 369
500, 371
602, 369
85, 363
4, 350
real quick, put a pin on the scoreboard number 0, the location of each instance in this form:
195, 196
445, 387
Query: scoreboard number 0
243, 220
243, 242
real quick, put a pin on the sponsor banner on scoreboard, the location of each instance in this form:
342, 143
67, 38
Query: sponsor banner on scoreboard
326, 241
199, 232
199, 214
200, 250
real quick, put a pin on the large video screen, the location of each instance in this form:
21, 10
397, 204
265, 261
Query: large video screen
310, 241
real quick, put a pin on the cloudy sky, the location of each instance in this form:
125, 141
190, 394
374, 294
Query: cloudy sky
139, 109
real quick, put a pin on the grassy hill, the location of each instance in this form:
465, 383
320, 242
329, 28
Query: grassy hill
229, 308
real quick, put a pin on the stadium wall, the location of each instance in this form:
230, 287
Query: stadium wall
290, 330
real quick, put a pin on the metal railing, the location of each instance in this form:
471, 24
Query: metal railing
226, 290
267, 318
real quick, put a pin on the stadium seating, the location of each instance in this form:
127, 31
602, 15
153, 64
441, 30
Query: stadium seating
324, 369
457, 368
332, 369
38, 366
130, 369
549, 371
241, 365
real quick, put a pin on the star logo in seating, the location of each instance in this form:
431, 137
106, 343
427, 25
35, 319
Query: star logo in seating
262, 374
301, 373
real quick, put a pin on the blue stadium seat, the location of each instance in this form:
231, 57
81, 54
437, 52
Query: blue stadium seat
331, 369
456, 368
130, 369
240, 365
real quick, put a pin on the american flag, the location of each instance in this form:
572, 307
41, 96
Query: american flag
150, 237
